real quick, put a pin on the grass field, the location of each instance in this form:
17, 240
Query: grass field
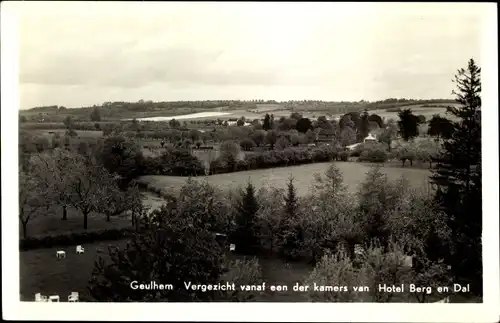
251, 114
354, 174
41, 272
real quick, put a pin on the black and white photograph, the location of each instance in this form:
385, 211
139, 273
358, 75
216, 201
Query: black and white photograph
314, 161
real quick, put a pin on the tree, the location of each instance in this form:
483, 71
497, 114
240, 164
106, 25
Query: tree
363, 126
245, 272
295, 139
376, 118
440, 127
171, 248
334, 268
291, 231
303, 125
88, 188
408, 124
388, 134
42, 144
407, 152
174, 124
346, 121
258, 137
427, 151
32, 199
347, 136
68, 122
286, 124
296, 115
421, 230
83, 148
180, 162
247, 144
194, 135
245, 234
381, 266
271, 137
55, 169
57, 141
95, 115
270, 217
240, 122
374, 200
267, 123
116, 201
122, 156
229, 153
421, 119
206, 203
291, 199
323, 123
458, 177
282, 143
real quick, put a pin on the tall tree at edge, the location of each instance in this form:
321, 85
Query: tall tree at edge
458, 176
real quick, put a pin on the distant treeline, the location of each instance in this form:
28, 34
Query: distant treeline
141, 109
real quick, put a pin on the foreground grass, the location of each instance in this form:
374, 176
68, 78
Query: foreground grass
42, 272
354, 174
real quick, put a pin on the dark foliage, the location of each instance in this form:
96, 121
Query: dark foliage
458, 176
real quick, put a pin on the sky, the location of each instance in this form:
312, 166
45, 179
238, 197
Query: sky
80, 54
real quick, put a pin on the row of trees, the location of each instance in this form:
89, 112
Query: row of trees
90, 180
278, 222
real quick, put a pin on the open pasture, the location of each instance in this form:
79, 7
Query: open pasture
417, 109
354, 174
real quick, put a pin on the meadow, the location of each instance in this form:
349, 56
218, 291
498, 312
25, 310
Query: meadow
41, 272
353, 172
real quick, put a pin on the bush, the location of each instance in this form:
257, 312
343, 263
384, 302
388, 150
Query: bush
243, 272
75, 238
247, 144
173, 162
343, 155
373, 156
